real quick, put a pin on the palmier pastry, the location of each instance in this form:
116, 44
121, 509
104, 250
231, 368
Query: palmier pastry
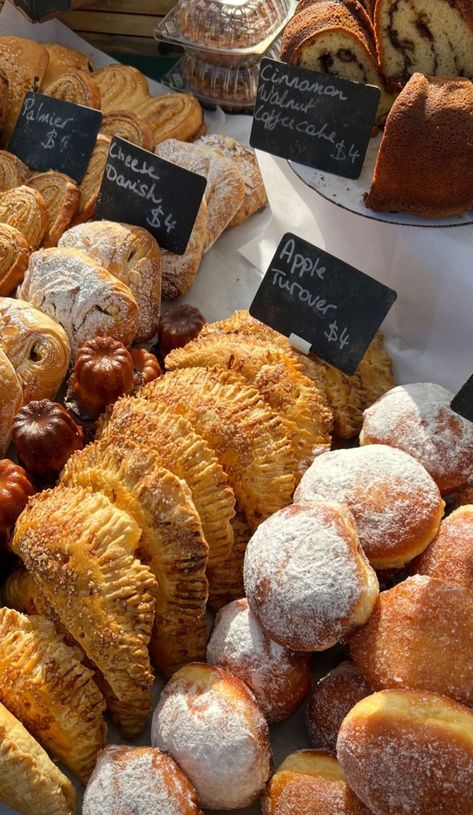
44, 684
128, 126
130, 254
146, 366
105, 596
36, 345
179, 271
179, 325
418, 419
172, 116
210, 724
419, 636
409, 752
121, 87
450, 556
279, 678
330, 701
4, 99
13, 173
14, 256
61, 196
396, 504
11, 399
81, 295
15, 489
45, 436
23, 62
90, 185
141, 780
26, 210
307, 580
29, 781
313, 783
77, 87
63, 59
103, 372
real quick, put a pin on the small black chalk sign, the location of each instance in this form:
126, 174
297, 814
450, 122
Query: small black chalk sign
54, 135
36, 9
314, 119
463, 401
142, 189
321, 304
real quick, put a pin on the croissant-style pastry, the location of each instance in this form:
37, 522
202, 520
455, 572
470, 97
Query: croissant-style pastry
78, 87
103, 371
45, 685
29, 781
13, 173
24, 63
105, 597
15, 489
122, 87
172, 542
26, 210
61, 196
14, 256
182, 451
248, 437
11, 399
89, 187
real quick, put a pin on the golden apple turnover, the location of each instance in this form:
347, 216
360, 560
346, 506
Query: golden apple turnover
78, 87
248, 438
45, 685
26, 210
81, 550
13, 173
14, 256
226, 579
61, 196
29, 781
11, 399
122, 87
172, 542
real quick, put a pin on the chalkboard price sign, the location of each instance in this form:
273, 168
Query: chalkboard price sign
321, 303
463, 401
142, 189
54, 135
315, 119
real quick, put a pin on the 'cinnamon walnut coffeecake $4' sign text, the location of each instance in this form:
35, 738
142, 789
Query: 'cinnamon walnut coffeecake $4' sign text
142, 189
321, 303
315, 119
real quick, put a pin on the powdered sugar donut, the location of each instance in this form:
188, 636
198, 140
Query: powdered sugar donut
418, 419
395, 502
330, 701
409, 753
306, 578
450, 556
209, 722
464, 496
279, 678
138, 780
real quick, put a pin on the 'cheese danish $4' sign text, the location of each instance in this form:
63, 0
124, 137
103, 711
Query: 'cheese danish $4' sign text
321, 303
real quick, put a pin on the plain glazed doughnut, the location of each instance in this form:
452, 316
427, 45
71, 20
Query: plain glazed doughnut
330, 701
450, 556
279, 678
419, 420
409, 753
396, 504
209, 722
310, 782
419, 636
306, 578
138, 780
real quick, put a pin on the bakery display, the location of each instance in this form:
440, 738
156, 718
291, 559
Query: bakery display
25, 209
15, 489
63, 59
450, 556
14, 256
61, 196
141, 780
11, 399
89, 187
128, 126
173, 116
179, 271
210, 724
121, 87
179, 325
78, 87
23, 63
331, 700
103, 371
45, 436
13, 172
409, 752
228, 26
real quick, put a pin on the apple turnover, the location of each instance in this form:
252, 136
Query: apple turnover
130, 127
61, 196
29, 781
44, 684
248, 438
11, 400
121, 87
172, 542
13, 173
90, 185
26, 210
172, 116
78, 87
226, 580
23, 62
14, 256
81, 550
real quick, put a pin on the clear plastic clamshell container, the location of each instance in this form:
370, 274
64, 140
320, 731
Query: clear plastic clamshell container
230, 27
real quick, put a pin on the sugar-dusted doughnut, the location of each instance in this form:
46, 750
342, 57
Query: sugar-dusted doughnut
419, 636
330, 701
409, 753
396, 504
450, 556
311, 782
418, 419
209, 722
138, 780
278, 677
306, 578
465, 496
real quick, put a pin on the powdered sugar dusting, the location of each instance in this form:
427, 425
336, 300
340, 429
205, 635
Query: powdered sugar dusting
330, 701
418, 419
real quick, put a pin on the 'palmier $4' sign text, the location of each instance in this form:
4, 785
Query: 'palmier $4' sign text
321, 304
142, 189
314, 119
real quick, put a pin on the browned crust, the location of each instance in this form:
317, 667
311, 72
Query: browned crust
129, 126
14, 256
321, 17
77, 87
62, 197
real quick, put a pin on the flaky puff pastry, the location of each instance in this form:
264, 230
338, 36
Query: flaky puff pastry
248, 438
172, 543
81, 551
44, 684
13, 172
29, 781
26, 210
61, 196
23, 62
37, 347
62, 59
14, 256
11, 400
182, 451
226, 579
